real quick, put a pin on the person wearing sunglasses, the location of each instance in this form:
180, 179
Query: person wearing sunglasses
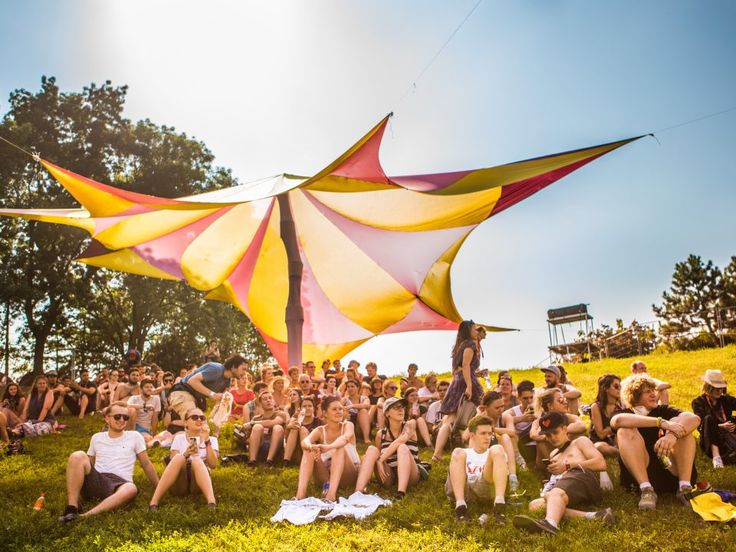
105, 471
193, 454
606, 403
389, 390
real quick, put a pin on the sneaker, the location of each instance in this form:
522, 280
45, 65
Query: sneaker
648, 500
212, 505
607, 517
534, 525
461, 513
499, 513
683, 495
400, 495
153, 507
520, 462
513, 485
70, 514
717, 462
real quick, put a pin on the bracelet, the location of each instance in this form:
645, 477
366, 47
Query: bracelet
659, 423
207, 443
567, 465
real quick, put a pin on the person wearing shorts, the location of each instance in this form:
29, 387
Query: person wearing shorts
474, 469
105, 472
574, 466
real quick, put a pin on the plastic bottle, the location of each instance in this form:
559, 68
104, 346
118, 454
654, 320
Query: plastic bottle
300, 419
489, 384
38, 505
482, 519
666, 462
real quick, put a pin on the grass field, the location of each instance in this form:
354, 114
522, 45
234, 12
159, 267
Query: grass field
423, 521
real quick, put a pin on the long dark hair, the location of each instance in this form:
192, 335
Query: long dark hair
12, 401
464, 331
604, 383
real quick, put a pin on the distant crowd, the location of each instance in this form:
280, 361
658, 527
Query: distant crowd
317, 419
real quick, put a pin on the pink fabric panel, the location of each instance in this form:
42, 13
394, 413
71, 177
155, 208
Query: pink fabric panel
279, 350
364, 163
429, 182
103, 223
165, 252
406, 256
421, 317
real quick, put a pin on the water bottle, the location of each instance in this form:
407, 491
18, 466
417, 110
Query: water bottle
482, 519
489, 384
666, 462
300, 419
38, 505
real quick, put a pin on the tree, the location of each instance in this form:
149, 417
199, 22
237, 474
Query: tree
692, 301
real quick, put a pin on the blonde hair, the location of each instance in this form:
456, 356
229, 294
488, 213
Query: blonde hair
633, 387
542, 399
277, 379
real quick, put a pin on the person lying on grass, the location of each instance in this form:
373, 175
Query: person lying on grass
552, 400
655, 443
474, 469
491, 406
193, 454
329, 453
105, 472
606, 403
574, 466
395, 456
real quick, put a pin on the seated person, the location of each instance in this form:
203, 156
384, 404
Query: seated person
37, 411
266, 431
105, 472
357, 408
491, 406
474, 469
411, 379
128, 389
298, 427
552, 400
376, 394
81, 398
329, 454
145, 409
553, 376
280, 393
251, 408
106, 390
388, 391
12, 399
655, 443
520, 417
716, 409
193, 454
428, 393
415, 411
508, 392
606, 403
574, 482
663, 394
433, 416
395, 456
242, 395
371, 370
166, 437
58, 389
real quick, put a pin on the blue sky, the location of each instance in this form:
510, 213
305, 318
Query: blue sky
287, 86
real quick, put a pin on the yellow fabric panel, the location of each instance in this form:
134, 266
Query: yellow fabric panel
225, 293
483, 179
269, 287
137, 229
344, 184
401, 209
126, 260
436, 290
97, 202
353, 282
213, 255
318, 353
78, 218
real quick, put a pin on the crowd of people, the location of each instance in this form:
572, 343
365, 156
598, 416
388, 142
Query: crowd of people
316, 419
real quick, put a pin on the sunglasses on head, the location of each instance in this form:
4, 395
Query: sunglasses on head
197, 417
118, 417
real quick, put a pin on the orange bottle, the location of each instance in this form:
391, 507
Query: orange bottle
38, 505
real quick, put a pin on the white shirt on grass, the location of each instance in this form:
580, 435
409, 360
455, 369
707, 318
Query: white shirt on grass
181, 443
116, 456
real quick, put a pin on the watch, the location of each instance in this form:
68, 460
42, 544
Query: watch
207, 443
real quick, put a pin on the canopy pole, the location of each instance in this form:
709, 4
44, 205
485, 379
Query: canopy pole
294, 311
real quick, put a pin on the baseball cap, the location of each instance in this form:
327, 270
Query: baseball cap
388, 403
552, 368
551, 421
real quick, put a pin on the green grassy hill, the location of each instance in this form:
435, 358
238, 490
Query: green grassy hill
423, 521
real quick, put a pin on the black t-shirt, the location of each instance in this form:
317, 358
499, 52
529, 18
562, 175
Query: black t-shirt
90, 385
651, 434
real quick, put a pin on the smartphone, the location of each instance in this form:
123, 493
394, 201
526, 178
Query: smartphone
195, 441
546, 461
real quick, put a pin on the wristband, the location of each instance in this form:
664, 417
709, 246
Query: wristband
659, 423
207, 443
567, 465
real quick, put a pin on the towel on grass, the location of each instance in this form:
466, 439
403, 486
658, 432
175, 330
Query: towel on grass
306, 510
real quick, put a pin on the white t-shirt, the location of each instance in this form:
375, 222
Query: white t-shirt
144, 418
181, 443
117, 455
424, 392
475, 463
515, 412
433, 414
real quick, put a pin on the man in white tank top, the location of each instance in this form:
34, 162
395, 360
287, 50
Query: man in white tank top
474, 469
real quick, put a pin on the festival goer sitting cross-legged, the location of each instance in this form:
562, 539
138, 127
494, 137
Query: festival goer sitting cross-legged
266, 431
574, 466
357, 407
655, 443
464, 386
146, 409
37, 416
716, 409
298, 427
552, 400
415, 411
395, 456
491, 406
105, 472
329, 454
520, 417
193, 454
606, 403
474, 469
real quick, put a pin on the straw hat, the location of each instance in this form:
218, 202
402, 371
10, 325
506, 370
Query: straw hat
714, 378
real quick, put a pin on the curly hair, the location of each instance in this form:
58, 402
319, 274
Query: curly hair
634, 386
542, 399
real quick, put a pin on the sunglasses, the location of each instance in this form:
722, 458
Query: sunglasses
197, 417
392, 388
118, 417
616, 386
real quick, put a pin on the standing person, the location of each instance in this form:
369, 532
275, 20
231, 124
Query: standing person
395, 456
329, 453
105, 472
606, 403
464, 385
651, 435
357, 407
208, 381
716, 409
573, 465
663, 393
211, 352
193, 455
553, 380
146, 409
521, 417
474, 469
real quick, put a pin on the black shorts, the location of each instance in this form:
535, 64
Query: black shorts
581, 487
74, 406
100, 485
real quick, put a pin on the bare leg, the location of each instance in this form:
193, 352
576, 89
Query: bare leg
203, 480
423, 431
292, 438
633, 453
254, 442
508, 447
133, 413
168, 478
336, 469
366, 468
77, 467
715, 451
83, 402
125, 493
380, 418
277, 439
408, 473
4, 428
543, 450
606, 450
556, 504
683, 456
663, 396
364, 422
57, 405
305, 473
496, 471
443, 435
457, 474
